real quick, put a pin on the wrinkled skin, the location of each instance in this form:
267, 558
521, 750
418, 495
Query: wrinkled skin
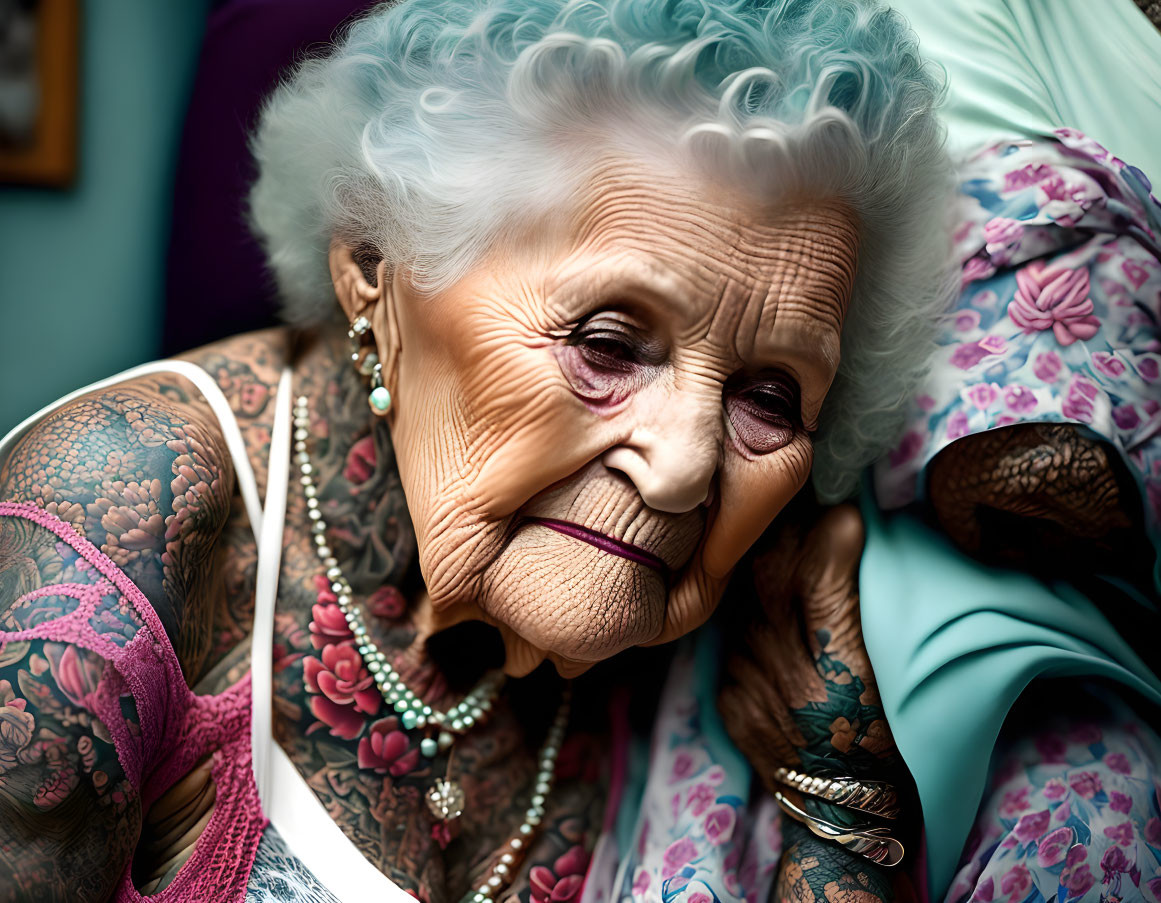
1040, 495
649, 368
799, 690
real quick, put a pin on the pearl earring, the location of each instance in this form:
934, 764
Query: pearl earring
364, 363
380, 398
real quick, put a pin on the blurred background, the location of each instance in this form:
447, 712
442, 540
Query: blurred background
123, 168
123, 172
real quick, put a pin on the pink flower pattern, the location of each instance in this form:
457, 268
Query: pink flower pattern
1060, 244
386, 749
702, 835
564, 881
1055, 298
1086, 845
347, 693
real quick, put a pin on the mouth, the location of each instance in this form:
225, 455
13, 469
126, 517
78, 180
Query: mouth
604, 543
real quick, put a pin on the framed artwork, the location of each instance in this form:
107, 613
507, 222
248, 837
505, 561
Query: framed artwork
39, 57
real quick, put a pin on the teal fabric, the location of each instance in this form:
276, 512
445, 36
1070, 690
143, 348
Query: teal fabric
1026, 67
953, 643
82, 270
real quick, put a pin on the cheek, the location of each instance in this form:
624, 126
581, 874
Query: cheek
752, 492
527, 431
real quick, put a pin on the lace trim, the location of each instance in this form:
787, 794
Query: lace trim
178, 727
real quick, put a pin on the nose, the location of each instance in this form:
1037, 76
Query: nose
672, 457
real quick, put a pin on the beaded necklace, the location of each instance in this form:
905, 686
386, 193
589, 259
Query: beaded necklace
445, 798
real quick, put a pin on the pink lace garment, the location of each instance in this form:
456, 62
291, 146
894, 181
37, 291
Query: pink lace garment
178, 727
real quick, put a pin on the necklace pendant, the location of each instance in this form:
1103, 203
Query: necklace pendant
445, 799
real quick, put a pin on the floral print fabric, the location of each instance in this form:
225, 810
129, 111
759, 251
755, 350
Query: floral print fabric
698, 835
1059, 318
1072, 814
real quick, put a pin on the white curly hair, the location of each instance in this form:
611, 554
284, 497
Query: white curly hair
435, 126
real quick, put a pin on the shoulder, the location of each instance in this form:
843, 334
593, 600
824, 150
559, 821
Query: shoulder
140, 431
142, 470
247, 368
139, 469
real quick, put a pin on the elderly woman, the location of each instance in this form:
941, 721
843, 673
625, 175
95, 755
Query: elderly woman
610, 278
614, 280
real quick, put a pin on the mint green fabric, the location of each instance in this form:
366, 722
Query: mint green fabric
953, 644
1026, 67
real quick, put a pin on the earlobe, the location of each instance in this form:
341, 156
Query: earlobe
387, 336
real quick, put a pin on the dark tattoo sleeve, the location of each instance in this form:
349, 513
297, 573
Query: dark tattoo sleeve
139, 471
799, 692
810, 872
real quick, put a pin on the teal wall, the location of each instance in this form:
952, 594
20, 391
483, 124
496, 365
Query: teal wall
82, 270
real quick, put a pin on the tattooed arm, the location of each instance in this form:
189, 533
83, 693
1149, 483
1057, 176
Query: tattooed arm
1041, 495
140, 471
799, 691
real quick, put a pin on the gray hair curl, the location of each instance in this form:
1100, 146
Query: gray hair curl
434, 125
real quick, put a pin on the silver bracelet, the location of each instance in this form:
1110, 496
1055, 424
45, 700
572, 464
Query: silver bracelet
872, 843
873, 797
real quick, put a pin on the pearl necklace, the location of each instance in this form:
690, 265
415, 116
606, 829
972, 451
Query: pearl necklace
446, 798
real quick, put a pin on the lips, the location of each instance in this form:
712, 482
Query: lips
604, 543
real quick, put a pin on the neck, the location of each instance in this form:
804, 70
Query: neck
369, 529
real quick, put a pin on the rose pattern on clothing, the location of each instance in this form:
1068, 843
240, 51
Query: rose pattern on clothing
1059, 318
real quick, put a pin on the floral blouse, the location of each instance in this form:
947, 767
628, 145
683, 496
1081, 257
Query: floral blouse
1059, 318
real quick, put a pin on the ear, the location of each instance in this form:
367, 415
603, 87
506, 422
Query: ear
374, 299
355, 293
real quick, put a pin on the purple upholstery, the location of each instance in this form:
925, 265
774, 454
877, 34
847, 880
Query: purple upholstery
216, 281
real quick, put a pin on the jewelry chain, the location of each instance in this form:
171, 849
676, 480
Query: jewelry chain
445, 799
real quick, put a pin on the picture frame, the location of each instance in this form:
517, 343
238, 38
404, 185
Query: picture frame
39, 84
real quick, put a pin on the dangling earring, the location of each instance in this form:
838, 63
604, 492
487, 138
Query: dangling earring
380, 398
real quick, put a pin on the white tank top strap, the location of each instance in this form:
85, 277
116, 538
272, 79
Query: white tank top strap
298, 815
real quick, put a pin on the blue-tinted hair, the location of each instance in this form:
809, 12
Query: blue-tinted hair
436, 127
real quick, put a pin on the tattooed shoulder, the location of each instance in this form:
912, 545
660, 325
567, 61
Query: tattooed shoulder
246, 368
140, 469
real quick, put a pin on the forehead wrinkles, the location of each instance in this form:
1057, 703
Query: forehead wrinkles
754, 265
809, 294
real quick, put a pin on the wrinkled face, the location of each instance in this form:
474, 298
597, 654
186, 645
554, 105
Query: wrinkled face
593, 427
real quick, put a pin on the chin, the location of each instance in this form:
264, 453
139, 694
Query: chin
577, 603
